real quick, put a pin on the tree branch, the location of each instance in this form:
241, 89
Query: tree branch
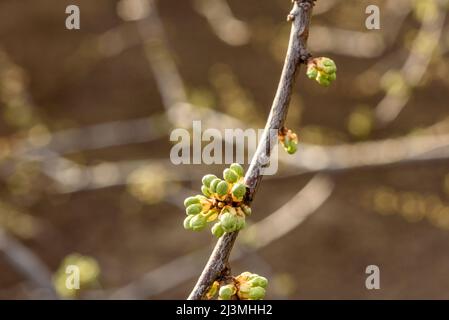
300, 16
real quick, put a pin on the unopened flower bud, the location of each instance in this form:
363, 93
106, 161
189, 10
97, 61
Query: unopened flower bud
207, 179
228, 220
198, 222
222, 188
257, 293
238, 191
214, 184
237, 168
259, 281
240, 223
246, 209
226, 292
191, 200
187, 222
205, 190
323, 70
230, 176
194, 209
217, 230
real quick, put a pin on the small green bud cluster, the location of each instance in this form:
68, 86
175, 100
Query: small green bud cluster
246, 286
289, 140
323, 70
222, 199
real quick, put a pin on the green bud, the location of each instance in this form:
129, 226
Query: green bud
207, 179
194, 209
205, 190
230, 176
327, 65
226, 292
237, 168
246, 209
228, 221
217, 230
222, 188
198, 222
312, 72
191, 200
323, 79
238, 191
259, 281
332, 76
214, 184
257, 293
292, 147
240, 223
187, 222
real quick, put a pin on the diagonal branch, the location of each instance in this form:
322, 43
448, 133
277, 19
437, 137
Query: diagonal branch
296, 54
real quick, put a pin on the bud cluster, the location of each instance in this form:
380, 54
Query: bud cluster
246, 286
221, 200
323, 70
289, 140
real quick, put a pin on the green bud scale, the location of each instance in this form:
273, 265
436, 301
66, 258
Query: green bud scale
237, 168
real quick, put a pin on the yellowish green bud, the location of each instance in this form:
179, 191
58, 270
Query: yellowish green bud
257, 293
259, 281
238, 191
187, 222
194, 209
217, 230
207, 179
205, 190
191, 200
198, 222
230, 176
246, 209
214, 184
222, 188
228, 221
226, 292
237, 168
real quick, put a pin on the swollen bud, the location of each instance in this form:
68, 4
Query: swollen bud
259, 281
228, 220
222, 188
194, 209
237, 168
217, 230
240, 223
198, 222
238, 191
246, 209
323, 70
207, 179
205, 190
214, 184
226, 292
256, 293
230, 176
191, 200
187, 222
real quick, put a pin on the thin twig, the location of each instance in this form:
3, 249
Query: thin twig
296, 53
27, 263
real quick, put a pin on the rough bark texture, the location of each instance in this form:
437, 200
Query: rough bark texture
296, 54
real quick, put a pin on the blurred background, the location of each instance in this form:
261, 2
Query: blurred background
85, 174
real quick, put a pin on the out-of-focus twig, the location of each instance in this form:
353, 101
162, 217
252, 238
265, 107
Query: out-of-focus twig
421, 53
225, 25
27, 263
